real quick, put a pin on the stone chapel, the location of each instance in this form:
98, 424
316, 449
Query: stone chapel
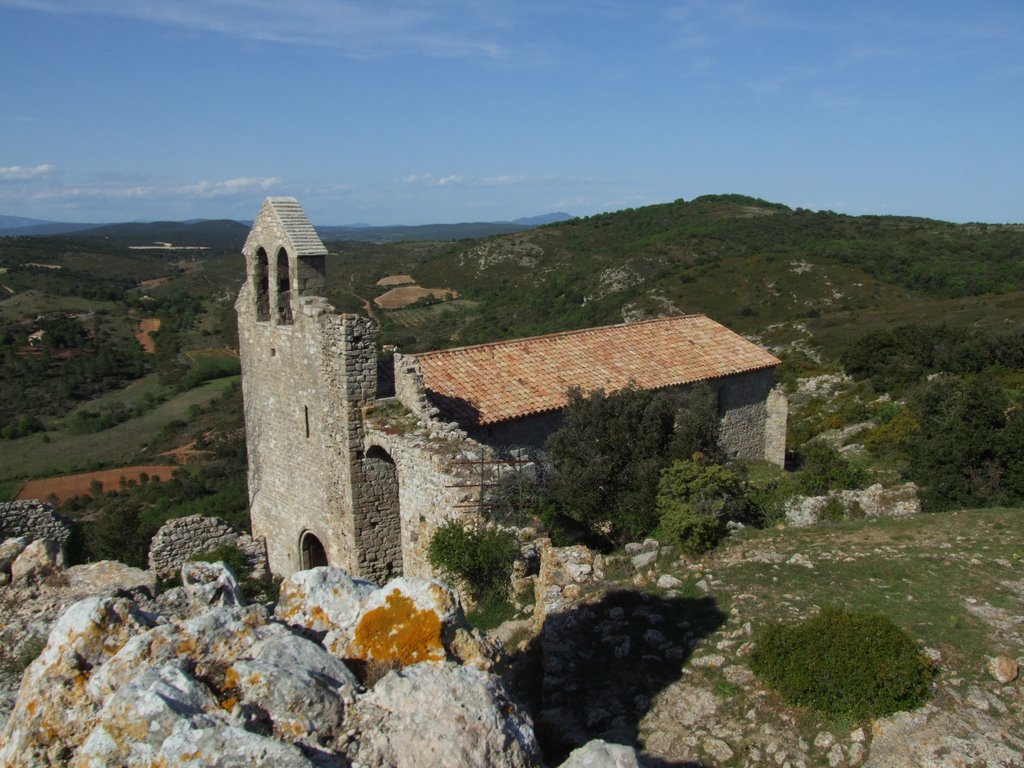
333, 481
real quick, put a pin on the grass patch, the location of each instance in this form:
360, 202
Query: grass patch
490, 614
9, 489
32, 456
929, 574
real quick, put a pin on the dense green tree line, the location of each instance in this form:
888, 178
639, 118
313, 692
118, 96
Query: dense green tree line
893, 358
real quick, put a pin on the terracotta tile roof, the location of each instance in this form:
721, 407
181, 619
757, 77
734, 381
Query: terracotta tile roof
489, 383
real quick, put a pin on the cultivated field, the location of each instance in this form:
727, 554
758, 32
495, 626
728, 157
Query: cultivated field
65, 487
397, 298
31, 456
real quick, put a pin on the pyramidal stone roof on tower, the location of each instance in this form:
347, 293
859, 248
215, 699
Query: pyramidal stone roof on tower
288, 215
490, 383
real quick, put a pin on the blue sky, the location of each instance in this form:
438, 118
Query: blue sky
419, 111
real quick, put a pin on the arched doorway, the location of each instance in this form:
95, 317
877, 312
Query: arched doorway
312, 552
378, 520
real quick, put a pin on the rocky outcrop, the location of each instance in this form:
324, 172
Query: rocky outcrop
429, 716
873, 501
217, 682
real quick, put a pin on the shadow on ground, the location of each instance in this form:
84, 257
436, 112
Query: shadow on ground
593, 671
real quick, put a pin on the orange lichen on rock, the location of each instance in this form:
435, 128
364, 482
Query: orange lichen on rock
398, 632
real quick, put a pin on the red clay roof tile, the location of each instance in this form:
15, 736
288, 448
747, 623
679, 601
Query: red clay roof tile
490, 383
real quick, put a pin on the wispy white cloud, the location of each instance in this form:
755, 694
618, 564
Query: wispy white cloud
132, 191
26, 173
363, 28
208, 189
507, 180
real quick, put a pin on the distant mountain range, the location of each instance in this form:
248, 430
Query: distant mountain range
227, 231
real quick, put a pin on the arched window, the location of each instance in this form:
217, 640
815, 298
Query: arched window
261, 280
284, 289
313, 553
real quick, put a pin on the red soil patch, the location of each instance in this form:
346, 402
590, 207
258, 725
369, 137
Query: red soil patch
142, 336
397, 298
67, 486
153, 283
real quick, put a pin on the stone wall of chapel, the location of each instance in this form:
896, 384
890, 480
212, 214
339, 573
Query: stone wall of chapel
435, 485
742, 408
753, 425
299, 429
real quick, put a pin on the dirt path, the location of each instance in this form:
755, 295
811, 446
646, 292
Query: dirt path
142, 333
365, 302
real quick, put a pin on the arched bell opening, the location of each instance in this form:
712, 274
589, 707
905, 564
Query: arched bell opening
284, 289
261, 283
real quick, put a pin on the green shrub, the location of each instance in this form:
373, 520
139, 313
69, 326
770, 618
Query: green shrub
695, 500
480, 561
228, 554
259, 589
843, 664
893, 435
825, 469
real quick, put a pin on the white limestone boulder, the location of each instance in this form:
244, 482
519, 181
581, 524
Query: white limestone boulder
9, 551
106, 577
52, 713
300, 688
229, 747
209, 643
210, 584
440, 715
600, 754
411, 620
134, 722
39, 559
322, 600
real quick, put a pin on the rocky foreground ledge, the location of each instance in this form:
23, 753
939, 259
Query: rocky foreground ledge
341, 673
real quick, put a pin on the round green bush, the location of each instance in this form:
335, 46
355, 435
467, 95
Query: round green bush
480, 560
843, 664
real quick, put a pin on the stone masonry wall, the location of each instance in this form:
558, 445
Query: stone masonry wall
179, 539
742, 406
378, 527
298, 474
436, 484
777, 406
34, 520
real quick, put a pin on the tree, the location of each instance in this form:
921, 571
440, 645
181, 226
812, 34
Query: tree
954, 455
695, 500
606, 459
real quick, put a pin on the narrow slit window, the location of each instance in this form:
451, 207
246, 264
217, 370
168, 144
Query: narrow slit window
305, 408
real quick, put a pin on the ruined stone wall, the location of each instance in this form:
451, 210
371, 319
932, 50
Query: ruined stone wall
378, 528
436, 484
34, 520
775, 427
179, 539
